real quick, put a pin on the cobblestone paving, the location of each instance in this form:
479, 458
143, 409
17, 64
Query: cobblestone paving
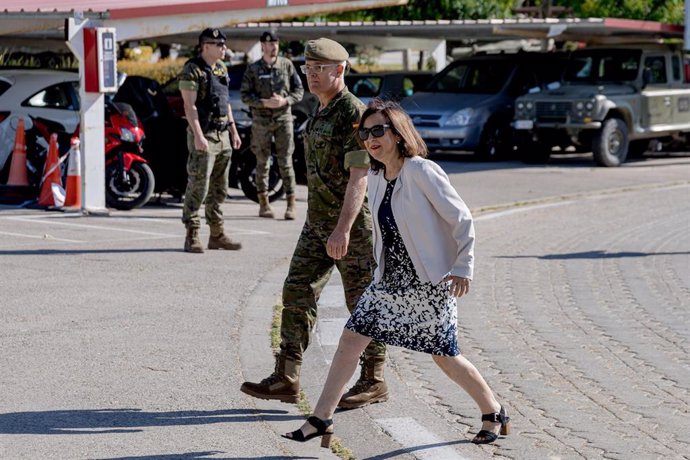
579, 319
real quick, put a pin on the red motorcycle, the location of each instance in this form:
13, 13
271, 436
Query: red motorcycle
129, 181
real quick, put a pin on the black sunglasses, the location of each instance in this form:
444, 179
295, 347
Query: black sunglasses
376, 131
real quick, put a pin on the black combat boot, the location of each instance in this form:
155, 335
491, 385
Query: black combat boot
370, 388
282, 384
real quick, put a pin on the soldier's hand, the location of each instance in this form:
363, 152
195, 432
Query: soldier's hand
336, 246
200, 143
276, 101
235, 138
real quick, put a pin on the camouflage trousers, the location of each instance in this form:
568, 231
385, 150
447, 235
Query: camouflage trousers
207, 179
310, 269
263, 131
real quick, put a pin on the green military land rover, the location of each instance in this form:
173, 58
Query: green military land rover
612, 100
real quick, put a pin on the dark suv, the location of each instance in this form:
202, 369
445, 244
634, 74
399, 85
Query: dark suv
387, 85
470, 104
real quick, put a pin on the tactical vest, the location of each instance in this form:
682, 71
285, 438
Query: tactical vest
212, 96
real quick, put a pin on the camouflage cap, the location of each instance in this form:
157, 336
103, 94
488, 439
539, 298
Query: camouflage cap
325, 49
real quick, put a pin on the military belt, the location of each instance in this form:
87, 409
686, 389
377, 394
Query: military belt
269, 113
218, 125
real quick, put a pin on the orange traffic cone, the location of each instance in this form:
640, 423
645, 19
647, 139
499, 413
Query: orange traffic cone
73, 183
52, 193
18, 174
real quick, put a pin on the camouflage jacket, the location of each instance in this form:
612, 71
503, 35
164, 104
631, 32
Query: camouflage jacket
331, 149
261, 80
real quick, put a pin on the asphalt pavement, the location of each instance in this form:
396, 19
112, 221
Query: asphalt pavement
117, 345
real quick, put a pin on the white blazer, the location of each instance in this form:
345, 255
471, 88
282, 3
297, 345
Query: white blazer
434, 223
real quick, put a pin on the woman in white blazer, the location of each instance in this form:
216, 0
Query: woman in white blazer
424, 250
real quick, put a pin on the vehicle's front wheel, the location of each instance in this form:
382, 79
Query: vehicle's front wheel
131, 191
497, 140
610, 143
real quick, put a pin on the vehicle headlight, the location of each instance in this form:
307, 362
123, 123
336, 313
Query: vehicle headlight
589, 105
126, 135
520, 106
529, 106
460, 118
579, 106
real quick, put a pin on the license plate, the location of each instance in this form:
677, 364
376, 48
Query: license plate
524, 124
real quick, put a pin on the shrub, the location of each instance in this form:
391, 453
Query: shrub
160, 71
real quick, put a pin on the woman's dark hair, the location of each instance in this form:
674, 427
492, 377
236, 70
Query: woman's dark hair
410, 144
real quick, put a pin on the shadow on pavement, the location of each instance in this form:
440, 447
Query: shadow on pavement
596, 255
463, 162
408, 450
193, 455
70, 252
185, 456
100, 421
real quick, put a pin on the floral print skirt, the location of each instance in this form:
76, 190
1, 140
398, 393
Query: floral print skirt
401, 310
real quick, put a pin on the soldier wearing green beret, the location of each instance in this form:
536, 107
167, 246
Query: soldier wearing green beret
204, 86
337, 232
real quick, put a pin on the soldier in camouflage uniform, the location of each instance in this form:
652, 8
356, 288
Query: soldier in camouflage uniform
204, 87
337, 232
270, 87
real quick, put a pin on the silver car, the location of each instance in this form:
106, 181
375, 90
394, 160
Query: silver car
469, 105
24, 93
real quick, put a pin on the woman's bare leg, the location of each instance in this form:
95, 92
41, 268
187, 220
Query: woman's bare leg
463, 372
343, 367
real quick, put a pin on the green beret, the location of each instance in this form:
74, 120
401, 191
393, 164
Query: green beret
325, 49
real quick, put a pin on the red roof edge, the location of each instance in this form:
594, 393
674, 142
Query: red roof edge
649, 26
194, 7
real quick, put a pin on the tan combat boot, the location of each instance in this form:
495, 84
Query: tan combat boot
282, 384
192, 242
370, 388
219, 240
290, 211
264, 208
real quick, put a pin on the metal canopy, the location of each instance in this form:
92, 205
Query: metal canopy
590, 29
43, 26
40, 23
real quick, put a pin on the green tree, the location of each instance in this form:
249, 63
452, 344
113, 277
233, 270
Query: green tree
670, 11
432, 9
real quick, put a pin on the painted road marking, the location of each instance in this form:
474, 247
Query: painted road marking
44, 237
417, 440
494, 215
50, 221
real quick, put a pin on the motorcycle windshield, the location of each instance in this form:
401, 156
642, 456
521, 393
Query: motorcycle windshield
128, 112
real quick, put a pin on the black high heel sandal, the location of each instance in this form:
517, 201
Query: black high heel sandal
489, 436
321, 430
